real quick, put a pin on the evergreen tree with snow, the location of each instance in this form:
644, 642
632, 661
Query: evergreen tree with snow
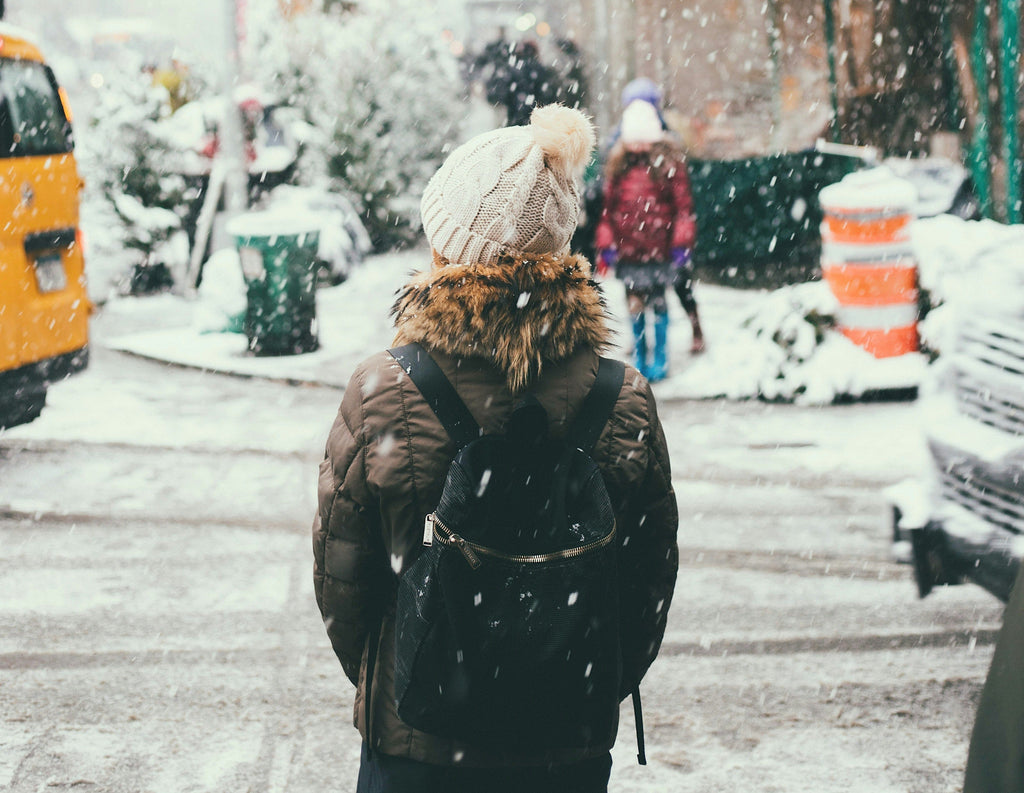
381, 98
126, 163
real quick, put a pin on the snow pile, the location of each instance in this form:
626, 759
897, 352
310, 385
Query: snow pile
967, 267
222, 302
787, 347
783, 346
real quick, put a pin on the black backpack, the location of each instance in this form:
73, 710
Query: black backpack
507, 623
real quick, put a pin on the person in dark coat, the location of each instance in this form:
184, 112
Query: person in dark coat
522, 83
570, 76
647, 229
504, 309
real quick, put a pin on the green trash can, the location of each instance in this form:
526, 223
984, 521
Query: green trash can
278, 256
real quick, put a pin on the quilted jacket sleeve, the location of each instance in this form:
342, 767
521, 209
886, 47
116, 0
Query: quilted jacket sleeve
649, 556
348, 569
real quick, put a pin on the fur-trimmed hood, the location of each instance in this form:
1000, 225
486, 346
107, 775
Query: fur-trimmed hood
516, 313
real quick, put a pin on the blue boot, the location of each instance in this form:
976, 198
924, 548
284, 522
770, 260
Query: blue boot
659, 366
640, 342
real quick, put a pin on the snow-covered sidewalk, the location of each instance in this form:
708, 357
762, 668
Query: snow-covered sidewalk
743, 360
353, 322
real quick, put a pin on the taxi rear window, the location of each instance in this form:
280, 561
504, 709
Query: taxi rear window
32, 120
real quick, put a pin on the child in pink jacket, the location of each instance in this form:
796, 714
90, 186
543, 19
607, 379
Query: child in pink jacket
647, 230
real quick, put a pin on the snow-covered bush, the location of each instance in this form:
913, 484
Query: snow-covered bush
783, 346
790, 349
796, 318
124, 162
383, 94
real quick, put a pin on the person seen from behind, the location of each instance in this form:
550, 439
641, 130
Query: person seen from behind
647, 230
521, 82
644, 89
510, 318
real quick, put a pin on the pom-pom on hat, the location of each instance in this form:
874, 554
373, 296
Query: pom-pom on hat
641, 123
510, 191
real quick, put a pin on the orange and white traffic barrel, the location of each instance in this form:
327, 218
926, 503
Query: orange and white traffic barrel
868, 261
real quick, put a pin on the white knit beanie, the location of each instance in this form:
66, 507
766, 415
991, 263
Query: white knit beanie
510, 191
640, 123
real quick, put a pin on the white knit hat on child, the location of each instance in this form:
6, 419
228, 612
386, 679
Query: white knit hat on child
511, 191
640, 123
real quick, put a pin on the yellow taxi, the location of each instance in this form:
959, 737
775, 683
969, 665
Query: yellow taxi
44, 307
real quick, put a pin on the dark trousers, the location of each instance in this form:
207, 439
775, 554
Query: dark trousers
385, 774
684, 289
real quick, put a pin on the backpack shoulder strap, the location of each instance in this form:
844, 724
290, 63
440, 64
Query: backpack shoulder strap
431, 382
598, 404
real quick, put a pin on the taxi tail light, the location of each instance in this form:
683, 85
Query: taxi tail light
65, 103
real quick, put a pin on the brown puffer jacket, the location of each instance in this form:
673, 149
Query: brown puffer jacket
496, 331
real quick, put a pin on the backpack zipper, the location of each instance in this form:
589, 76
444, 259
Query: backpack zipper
472, 552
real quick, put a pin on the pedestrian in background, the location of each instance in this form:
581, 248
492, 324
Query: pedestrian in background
506, 312
522, 83
647, 230
643, 89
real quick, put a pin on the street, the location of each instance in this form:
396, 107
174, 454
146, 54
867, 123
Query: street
158, 630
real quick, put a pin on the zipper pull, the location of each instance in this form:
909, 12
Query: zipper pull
467, 551
428, 530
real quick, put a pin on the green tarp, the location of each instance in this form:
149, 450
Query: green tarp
762, 213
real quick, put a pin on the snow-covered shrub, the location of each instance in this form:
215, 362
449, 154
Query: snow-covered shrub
796, 318
124, 162
383, 93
